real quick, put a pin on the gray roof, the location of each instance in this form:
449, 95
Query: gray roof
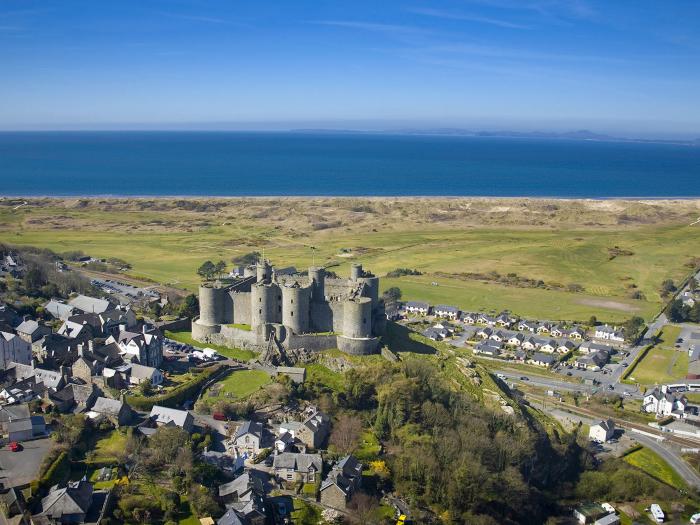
543, 358
91, 305
230, 518
75, 498
298, 462
417, 304
446, 308
250, 427
59, 309
245, 482
142, 372
165, 415
104, 405
14, 412
19, 425
28, 327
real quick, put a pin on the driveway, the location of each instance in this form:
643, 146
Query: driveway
19, 468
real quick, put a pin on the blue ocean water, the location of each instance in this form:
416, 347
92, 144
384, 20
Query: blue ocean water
241, 163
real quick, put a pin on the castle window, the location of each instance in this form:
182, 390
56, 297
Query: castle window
292, 301
260, 299
259, 310
279, 308
291, 314
364, 320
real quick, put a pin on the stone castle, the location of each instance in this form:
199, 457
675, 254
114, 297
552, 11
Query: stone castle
289, 310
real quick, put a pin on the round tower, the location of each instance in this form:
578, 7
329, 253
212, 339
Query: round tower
317, 276
371, 289
357, 317
263, 304
295, 308
249, 271
355, 271
211, 304
263, 271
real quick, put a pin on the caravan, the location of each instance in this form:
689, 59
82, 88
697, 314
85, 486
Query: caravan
657, 513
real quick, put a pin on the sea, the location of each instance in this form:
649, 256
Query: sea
339, 164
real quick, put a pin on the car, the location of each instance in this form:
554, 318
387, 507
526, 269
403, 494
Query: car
569, 374
625, 365
524, 378
15, 446
219, 416
611, 387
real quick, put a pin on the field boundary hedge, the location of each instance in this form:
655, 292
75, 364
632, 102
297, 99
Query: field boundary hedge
177, 395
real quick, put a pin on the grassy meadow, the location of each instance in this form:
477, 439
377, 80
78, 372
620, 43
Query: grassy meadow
609, 248
662, 363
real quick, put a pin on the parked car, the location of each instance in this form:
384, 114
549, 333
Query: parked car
15, 446
524, 378
219, 416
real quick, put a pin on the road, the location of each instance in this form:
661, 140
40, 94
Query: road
672, 457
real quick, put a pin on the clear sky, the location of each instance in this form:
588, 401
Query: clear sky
625, 66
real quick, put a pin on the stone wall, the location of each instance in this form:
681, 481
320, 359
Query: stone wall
312, 343
358, 346
241, 307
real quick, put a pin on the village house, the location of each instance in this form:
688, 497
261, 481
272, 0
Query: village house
81, 332
55, 350
488, 348
18, 424
314, 429
59, 310
164, 416
565, 346
119, 413
664, 403
588, 347
532, 343
73, 397
344, 479
31, 330
516, 339
486, 319
593, 361
145, 347
485, 333
543, 328
550, 346
245, 495
449, 312
417, 307
541, 359
609, 333
469, 318
14, 349
603, 431
90, 305
71, 504
140, 373
527, 326
248, 437
499, 336
293, 467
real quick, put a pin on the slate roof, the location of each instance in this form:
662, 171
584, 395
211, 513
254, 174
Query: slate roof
165, 415
250, 427
91, 305
298, 462
110, 407
230, 518
244, 483
75, 498
142, 372
27, 327
59, 309
544, 358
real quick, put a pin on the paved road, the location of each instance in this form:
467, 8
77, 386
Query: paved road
672, 457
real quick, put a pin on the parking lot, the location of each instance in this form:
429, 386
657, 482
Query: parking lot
19, 468
123, 289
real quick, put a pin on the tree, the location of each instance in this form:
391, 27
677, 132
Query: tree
220, 267
246, 259
593, 321
346, 433
190, 306
693, 284
392, 295
207, 270
33, 280
364, 508
677, 312
146, 388
667, 288
633, 328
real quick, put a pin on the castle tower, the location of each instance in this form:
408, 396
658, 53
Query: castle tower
263, 271
211, 304
317, 276
295, 308
264, 304
357, 317
356, 272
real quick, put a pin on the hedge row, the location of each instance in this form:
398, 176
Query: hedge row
632, 449
177, 395
57, 472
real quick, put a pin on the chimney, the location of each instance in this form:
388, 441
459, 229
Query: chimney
91, 345
122, 328
81, 349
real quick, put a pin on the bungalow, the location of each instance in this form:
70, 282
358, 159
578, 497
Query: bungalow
432, 333
558, 331
489, 348
450, 312
499, 336
248, 437
417, 307
344, 479
164, 416
588, 347
577, 333
663, 403
527, 326
485, 333
504, 319
532, 343
544, 328
603, 431
293, 467
565, 346
469, 318
486, 319
140, 373
541, 359
609, 333
549, 346
594, 361
516, 339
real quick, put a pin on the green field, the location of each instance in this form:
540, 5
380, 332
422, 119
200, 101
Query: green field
569, 246
242, 383
232, 353
109, 446
662, 363
651, 463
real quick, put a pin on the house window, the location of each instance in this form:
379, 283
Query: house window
289, 475
312, 477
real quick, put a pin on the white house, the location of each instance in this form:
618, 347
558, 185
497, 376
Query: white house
565, 346
603, 431
549, 346
417, 307
485, 333
541, 359
663, 403
442, 310
516, 339
608, 333
527, 326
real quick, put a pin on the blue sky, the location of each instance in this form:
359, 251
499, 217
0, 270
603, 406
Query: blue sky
625, 66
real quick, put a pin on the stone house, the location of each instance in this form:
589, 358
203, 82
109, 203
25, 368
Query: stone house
118, 412
603, 431
248, 437
292, 467
314, 429
344, 479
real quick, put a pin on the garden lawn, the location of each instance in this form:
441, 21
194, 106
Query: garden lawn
651, 463
662, 363
109, 446
232, 353
318, 373
243, 383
